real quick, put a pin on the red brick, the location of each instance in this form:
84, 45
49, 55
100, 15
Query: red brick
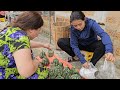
59, 32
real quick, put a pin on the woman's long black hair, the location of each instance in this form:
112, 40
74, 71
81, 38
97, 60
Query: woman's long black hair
77, 15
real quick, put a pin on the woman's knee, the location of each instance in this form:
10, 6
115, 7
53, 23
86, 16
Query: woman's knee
60, 42
101, 47
63, 41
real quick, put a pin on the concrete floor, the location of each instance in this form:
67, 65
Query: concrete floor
46, 39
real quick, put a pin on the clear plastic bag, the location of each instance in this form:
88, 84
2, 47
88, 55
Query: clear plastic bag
89, 73
107, 71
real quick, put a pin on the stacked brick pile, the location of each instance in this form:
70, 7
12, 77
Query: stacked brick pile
60, 29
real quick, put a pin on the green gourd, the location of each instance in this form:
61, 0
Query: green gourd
42, 55
50, 53
45, 61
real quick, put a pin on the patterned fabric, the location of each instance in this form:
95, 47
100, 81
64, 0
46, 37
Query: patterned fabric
11, 40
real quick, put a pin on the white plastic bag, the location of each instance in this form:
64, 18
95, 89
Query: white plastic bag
107, 71
88, 73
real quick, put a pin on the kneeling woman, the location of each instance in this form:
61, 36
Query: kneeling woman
83, 36
15, 47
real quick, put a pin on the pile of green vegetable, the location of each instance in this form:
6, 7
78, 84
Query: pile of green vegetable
57, 70
44, 58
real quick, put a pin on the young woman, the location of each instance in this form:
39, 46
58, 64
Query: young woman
83, 36
15, 47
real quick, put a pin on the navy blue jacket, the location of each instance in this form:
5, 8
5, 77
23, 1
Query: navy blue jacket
87, 36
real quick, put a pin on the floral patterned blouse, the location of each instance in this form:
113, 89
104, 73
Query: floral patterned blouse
11, 40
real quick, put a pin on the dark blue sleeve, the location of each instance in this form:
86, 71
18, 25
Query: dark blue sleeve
104, 37
75, 48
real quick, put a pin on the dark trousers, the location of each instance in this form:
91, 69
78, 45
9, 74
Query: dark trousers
97, 47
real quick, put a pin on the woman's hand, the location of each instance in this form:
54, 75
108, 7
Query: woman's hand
38, 59
86, 65
47, 46
109, 57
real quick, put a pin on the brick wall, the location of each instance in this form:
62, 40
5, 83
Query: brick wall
60, 29
113, 29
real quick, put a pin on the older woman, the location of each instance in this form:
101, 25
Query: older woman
15, 48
